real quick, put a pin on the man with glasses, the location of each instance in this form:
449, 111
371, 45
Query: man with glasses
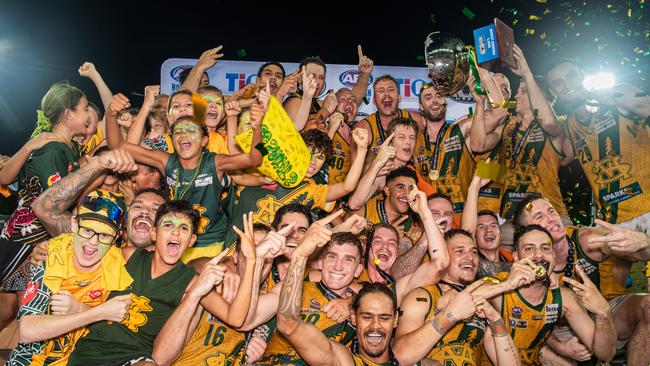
69, 290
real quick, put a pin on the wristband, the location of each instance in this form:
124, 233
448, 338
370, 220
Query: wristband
441, 329
452, 319
262, 149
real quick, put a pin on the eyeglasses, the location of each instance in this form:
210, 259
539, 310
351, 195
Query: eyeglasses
113, 211
88, 233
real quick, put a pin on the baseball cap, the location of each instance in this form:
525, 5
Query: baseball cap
104, 206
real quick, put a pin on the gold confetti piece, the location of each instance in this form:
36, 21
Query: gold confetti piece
541, 1
529, 206
376, 261
534, 17
199, 105
530, 31
546, 11
629, 13
542, 36
494, 171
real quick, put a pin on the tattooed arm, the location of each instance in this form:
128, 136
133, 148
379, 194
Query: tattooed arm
310, 343
409, 261
52, 206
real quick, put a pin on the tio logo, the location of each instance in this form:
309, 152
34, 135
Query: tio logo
237, 81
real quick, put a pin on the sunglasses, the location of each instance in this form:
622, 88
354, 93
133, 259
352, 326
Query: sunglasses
113, 211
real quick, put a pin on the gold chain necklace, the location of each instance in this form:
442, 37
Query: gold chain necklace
177, 185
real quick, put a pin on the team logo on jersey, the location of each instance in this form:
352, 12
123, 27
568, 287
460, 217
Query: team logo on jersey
94, 294
53, 179
612, 168
136, 318
516, 312
203, 221
523, 324
551, 313
30, 292
314, 305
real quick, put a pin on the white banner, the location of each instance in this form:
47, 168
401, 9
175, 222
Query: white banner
229, 76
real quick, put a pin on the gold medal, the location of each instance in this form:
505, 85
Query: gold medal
434, 174
540, 272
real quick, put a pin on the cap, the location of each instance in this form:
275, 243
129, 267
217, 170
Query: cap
103, 206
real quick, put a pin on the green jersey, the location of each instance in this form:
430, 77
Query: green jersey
154, 300
201, 188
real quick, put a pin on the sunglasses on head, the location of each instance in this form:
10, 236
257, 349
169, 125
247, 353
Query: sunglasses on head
113, 211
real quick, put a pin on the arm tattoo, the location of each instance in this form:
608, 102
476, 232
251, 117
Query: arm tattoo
409, 261
291, 292
52, 206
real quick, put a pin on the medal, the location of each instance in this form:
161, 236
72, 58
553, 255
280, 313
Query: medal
434, 174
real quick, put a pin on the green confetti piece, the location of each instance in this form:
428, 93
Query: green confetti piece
420, 58
366, 101
241, 53
468, 13
433, 18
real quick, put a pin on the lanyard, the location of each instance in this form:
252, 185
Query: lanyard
456, 287
433, 159
516, 150
331, 295
354, 348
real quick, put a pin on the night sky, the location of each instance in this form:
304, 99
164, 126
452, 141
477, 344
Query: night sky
45, 42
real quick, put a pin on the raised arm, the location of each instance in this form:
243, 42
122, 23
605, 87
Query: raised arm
114, 140
538, 102
481, 138
253, 158
176, 332
298, 108
499, 345
207, 60
624, 243
416, 336
433, 242
599, 334
52, 206
233, 110
338, 190
630, 100
88, 70
469, 219
310, 343
366, 187
134, 136
366, 65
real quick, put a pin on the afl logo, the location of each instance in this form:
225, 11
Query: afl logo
176, 71
349, 78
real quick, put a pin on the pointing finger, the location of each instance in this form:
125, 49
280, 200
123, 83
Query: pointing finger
360, 51
388, 139
331, 217
287, 229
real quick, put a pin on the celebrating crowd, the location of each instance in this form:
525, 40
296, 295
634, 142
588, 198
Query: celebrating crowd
146, 235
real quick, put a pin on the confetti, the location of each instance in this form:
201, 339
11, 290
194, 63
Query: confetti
534, 17
468, 13
433, 18
241, 53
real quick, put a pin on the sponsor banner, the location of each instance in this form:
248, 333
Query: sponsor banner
230, 76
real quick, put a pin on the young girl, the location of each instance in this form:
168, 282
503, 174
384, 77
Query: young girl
193, 173
64, 111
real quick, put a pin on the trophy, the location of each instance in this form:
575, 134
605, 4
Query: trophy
447, 61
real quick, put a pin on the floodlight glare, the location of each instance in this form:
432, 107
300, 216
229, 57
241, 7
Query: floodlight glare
599, 81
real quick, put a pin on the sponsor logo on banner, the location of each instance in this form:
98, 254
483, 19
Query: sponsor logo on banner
176, 72
237, 80
349, 78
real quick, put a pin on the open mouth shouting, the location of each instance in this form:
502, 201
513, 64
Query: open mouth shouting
467, 265
374, 338
142, 224
89, 251
184, 145
173, 248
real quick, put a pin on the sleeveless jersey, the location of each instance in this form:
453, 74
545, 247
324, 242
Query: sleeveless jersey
454, 163
614, 152
204, 193
340, 162
533, 163
489, 197
213, 343
264, 201
315, 295
217, 143
153, 301
460, 345
377, 132
530, 325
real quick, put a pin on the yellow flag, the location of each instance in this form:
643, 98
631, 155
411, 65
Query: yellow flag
286, 158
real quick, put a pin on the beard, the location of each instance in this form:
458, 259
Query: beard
435, 117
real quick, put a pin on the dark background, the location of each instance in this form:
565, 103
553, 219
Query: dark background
44, 42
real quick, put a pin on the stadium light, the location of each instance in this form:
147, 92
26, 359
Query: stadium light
599, 81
